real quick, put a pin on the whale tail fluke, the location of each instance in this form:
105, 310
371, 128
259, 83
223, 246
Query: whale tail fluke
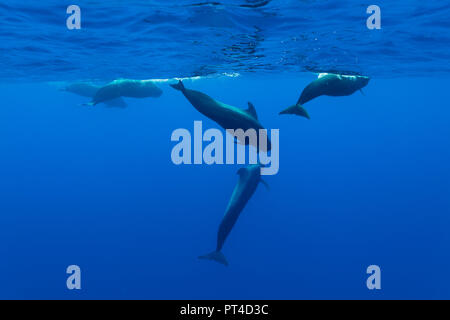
179, 86
296, 109
215, 256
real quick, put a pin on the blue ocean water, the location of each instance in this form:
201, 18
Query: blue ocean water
365, 182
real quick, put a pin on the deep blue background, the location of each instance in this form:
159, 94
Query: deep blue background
365, 181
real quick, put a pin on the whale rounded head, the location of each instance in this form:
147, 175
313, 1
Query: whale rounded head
364, 81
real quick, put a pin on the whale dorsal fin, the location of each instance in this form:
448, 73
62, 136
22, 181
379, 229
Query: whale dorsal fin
251, 110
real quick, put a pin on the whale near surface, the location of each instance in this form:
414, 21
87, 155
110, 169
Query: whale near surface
249, 179
84, 89
126, 88
88, 89
228, 117
327, 84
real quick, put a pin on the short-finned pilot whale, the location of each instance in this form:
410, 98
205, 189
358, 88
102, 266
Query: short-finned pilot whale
327, 84
126, 88
249, 178
88, 89
228, 117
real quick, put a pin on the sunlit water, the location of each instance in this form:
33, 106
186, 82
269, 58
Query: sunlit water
166, 38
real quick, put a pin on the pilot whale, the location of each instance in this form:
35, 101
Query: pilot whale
126, 88
249, 178
87, 89
228, 117
327, 84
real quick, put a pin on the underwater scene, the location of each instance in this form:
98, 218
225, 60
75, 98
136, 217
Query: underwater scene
242, 149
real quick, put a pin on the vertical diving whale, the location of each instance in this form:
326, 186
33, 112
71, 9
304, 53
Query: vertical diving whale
249, 178
228, 117
327, 84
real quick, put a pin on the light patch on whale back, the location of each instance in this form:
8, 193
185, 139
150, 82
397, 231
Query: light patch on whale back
121, 80
351, 77
176, 79
60, 84
341, 76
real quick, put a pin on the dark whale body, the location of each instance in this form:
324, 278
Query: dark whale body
328, 84
228, 117
249, 178
84, 89
126, 88
87, 89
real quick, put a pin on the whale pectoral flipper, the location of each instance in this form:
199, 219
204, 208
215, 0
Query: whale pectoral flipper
251, 110
362, 92
215, 256
296, 109
265, 184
